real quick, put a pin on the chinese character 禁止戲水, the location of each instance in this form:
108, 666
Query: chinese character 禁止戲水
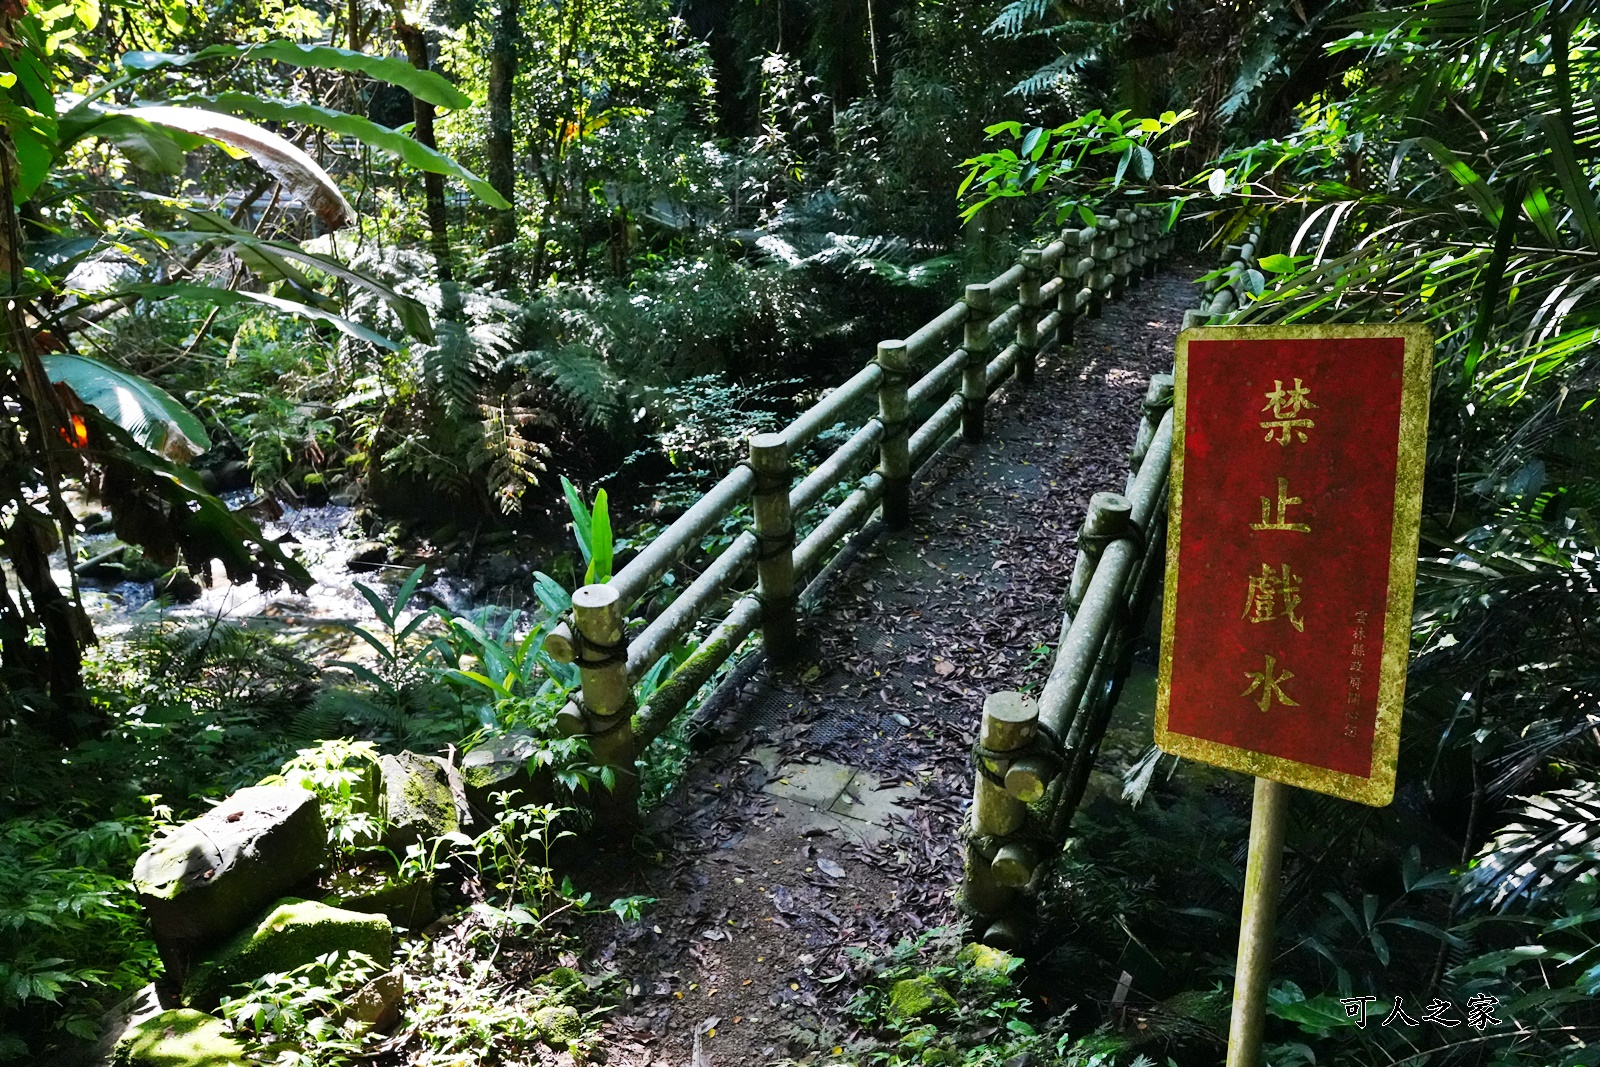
1480, 1011
1270, 681
1274, 596
1286, 405
1285, 501
1398, 1013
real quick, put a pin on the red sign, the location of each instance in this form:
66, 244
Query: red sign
1296, 493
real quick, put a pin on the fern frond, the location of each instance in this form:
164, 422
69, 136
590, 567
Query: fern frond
581, 379
516, 461
1052, 74
1014, 16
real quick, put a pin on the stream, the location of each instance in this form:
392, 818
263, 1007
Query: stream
323, 538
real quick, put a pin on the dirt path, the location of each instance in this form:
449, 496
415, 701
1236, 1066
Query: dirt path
831, 826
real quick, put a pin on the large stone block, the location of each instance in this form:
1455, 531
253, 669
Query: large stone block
291, 934
180, 1038
500, 765
208, 877
423, 798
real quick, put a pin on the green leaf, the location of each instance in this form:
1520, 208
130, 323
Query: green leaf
147, 146
408, 149
1490, 281
1144, 164
411, 313
1087, 216
154, 418
1315, 1016
1574, 182
1467, 178
600, 541
403, 595
1277, 263
422, 84
1536, 205
203, 294
580, 518
1033, 140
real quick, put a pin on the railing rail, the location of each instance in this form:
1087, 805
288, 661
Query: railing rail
1079, 270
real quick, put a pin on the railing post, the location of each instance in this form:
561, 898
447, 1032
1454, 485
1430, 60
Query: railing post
989, 884
1028, 320
1107, 520
1067, 297
1157, 398
894, 453
597, 643
769, 457
974, 375
1122, 262
1103, 251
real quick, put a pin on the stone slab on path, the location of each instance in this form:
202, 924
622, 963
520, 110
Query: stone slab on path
828, 797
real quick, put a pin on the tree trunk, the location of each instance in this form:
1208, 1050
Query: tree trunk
502, 143
33, 534
415, 42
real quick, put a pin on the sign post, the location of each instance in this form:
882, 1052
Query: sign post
1297, 459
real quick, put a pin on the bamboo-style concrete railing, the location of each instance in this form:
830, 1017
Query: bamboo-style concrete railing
1225, 291
1003, 324
1033, 757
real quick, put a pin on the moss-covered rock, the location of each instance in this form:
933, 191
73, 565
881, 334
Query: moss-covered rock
914, 998
987, 961
291, 934
500, 765
422, 799
180, 1038
558, 1024
376, 1005
207, 878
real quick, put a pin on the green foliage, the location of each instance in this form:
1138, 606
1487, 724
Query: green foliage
344, 776
70, 932
928, 1001
296, 1016
403, 693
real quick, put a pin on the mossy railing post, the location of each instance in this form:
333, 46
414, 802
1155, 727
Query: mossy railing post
997, 865
605, 709
1102, 251
1122, 259
769, 457
1067, 296
894, 452
1106, 521
1136, 246
974, 372
1157, 398
1151, 229
1028, 321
